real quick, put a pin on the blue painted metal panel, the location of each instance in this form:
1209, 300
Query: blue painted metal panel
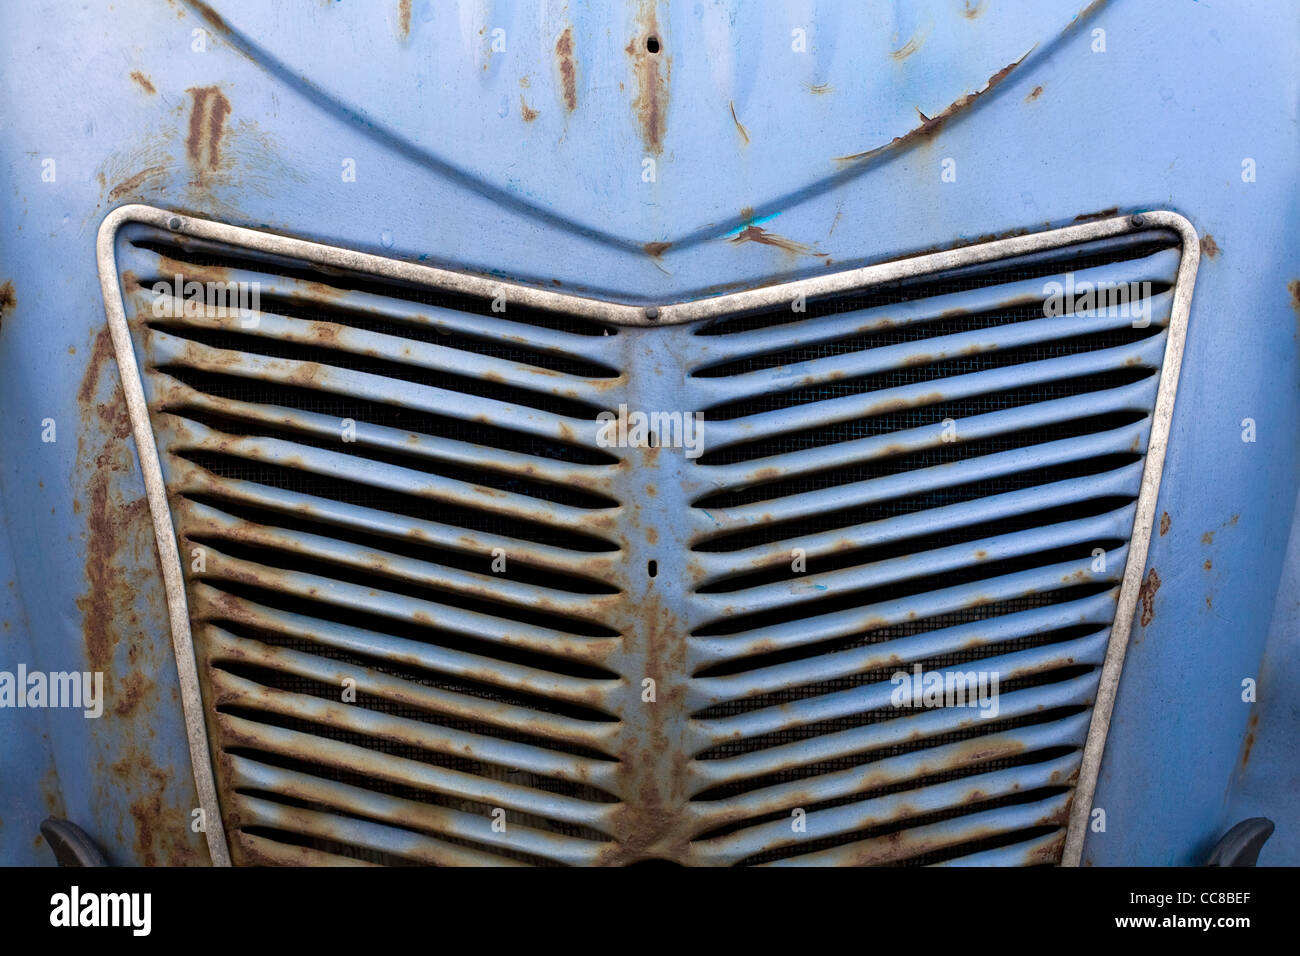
1183, 94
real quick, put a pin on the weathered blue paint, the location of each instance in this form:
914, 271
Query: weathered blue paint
450, 170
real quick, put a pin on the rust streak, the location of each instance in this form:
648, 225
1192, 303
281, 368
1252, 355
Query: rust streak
651, 103
1164, 524
8, 300
932, 124
525, 111
760, 235
908, 48
404, 18
143, 82
740, 127
568, 74
1249, 744
1034, 94
207, 124
1101, 214
1209, 246
129, 186
1147, 595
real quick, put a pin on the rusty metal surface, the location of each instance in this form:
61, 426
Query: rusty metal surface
120, 129
644, 679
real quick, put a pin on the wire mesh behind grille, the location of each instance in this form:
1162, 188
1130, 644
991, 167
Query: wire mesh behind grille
348, 458
939, 474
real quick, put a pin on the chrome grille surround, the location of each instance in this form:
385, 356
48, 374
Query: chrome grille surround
522, 692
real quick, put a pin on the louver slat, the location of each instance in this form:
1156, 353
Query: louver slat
427, 596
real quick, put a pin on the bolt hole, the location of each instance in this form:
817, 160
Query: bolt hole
652, 568
652, 44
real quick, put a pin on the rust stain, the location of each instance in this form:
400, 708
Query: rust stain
404, 18
107, 534
656, 249
651, 71
133, 692
122, 591
908, 48
1249, 744
1209, 246
820, 89
972, 11
143, 82
1207, 538
213, 18
8, 300
159, 824
757, 234
1147, 595
1294, 288
1164, 524
207, 124
568, 72
527, 113
1207, 565
740, 127
132, 185
1034, 94
1101, 214
932, 124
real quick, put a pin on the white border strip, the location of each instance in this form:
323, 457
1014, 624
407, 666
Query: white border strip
1143, 522
165, 534
620, 314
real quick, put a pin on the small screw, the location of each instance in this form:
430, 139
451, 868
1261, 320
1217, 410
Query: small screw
1136, 219
174, 222
652, 313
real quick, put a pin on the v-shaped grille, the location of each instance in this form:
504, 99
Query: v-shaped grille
439, 616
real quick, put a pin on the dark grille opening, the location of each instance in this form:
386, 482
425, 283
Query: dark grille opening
914, 783
915, 374
545, 491
418, 795
475, 563
941, 325
415, 330
304, 564
990, 843
890, 632
1078, 256
466, 765
477, 434
265, 347
181, 249
428, 798
291, 683
883, 674
864, 759
920, 820
806, 610
832, 520
941, 454
382, 499
424, 633
747, 745
914, 545
376, 856
919, 416
498, 694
